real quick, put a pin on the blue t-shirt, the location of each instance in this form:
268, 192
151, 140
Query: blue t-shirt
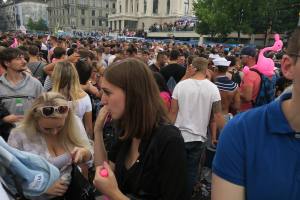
261, 152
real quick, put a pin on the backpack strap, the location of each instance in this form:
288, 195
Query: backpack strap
260, 85
36, 69
255, 70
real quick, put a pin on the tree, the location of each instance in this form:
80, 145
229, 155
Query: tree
212, 20
272, 16
40, 25
246, 16
31, 24
239, 15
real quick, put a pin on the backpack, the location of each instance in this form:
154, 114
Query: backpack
171, 83
267, 90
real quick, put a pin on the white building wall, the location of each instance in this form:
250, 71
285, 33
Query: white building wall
145, 20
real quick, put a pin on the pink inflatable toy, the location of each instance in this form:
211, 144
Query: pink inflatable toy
265, 65
15, 44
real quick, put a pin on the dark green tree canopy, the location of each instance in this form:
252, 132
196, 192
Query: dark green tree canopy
221, 17
40, 25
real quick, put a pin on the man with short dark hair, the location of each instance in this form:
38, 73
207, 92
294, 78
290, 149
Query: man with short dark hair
35, 64
17, 88
161, 60
173, 72
258, 151
251, 80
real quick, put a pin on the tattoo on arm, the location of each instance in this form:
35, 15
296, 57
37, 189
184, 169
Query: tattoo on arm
216, 107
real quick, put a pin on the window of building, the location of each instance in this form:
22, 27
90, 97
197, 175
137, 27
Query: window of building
93, 22
186, 7
126, 8
93, 13
145, 6
120, 9
72, 11
137, 6
114, 6
107, 6
168, 6
155, 6
82, 11
82, 22
100, 22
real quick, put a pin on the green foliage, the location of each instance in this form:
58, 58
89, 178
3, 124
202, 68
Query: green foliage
220, 17
211, 20
40, 25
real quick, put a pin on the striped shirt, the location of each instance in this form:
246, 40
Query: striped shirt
225, 84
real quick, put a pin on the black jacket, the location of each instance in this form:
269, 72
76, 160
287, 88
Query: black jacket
5, 127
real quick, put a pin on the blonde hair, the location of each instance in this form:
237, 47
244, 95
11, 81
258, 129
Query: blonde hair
200, 64
69, 136
66, 80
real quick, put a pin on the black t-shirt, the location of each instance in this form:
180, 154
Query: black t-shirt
154, 68
160, 172
175, 70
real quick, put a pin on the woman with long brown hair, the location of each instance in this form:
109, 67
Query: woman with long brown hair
148, 160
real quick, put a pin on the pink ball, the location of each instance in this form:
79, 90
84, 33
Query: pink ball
104, 172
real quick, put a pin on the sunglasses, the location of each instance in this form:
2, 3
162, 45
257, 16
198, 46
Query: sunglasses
49, 110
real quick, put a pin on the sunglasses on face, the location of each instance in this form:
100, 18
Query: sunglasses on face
49, 110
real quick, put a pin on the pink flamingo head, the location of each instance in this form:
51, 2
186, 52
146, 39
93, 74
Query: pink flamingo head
278, 43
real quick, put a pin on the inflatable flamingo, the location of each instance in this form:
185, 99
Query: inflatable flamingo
265, 65
15, 44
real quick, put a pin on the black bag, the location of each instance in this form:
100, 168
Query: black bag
79, 188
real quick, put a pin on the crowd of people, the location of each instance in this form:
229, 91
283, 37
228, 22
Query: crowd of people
176, 26
166, 121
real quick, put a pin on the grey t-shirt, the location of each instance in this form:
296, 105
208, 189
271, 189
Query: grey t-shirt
37, 70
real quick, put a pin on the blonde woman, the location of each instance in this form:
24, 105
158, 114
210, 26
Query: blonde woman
51, 129
66, 81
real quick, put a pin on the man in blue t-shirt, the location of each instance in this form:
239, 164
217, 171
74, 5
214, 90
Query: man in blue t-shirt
258, 154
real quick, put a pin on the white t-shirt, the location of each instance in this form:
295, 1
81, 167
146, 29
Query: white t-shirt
111, 59
195, 99
82, 106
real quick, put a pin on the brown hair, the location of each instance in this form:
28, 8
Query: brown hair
293, 48
144, 109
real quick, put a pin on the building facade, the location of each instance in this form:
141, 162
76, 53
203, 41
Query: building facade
80, 15
16, 13
141, 14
